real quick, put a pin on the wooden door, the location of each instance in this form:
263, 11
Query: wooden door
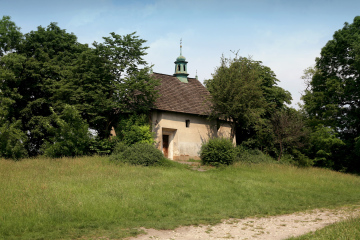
166, 145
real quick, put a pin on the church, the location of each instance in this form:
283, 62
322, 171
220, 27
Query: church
179, 118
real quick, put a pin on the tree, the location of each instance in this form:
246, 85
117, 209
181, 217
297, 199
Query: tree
236, 94
288, 128
10, 35
333, 95
323, 146
260, 134
70, 132
49, 69
244, 93
133, 89
12, 140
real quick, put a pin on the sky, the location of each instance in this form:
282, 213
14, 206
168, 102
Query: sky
286, 35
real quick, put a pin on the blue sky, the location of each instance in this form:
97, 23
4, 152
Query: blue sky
286, 35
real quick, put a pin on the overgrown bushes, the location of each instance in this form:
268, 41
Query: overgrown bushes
221, 151
70, 134
137, 154
217, 151
252, 156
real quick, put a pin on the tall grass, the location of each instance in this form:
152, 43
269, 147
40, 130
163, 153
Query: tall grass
74, 197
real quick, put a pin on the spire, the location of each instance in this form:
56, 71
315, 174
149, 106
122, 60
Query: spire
180, 46
180, 67
196, 76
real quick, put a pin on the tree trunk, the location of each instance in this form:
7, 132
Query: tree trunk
281, 150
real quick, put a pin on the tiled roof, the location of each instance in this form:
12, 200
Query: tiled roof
176, 96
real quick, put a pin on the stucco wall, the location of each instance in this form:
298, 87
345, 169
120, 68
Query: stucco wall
184, 142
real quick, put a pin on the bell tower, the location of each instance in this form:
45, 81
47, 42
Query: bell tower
181, 67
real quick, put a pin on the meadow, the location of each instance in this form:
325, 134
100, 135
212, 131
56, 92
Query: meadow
91, 197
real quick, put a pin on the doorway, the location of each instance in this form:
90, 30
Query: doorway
166, 145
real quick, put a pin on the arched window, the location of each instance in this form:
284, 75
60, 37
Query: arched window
179, 67
184, 69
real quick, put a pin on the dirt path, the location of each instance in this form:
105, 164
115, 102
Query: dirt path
269, 228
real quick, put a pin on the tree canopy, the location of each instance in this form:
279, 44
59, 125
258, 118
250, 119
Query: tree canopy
244, 92
236, 95
332, 98
49, 69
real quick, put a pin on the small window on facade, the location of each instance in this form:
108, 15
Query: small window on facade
179, 67
184, 69
187, 122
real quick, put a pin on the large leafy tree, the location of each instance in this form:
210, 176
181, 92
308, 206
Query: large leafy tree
236, 94
48, 68
245, 93
333, 94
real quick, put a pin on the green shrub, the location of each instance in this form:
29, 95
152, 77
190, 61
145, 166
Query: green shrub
12, 141
70, 132
138, 154
102, 146
134, 129
252, 156
119, 148
297, 158
138, 134
217, 151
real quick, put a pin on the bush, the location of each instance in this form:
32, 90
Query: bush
299, 159
252, 156
70, 132
12, 141
134, 129
102, 146
217, 151
138, 154
119, 148
138, 134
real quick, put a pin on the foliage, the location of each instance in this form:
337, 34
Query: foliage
323, 144
138, 154
357, 146
133, 89
133, 129
49, 68
119, 148
297, 158
12, 141
71, 135
332, 96
252, 156
236, 94
289, 129
103, 146
245, 93
10, 35
217, 151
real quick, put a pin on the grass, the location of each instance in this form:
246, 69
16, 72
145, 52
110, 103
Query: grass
90, 197
348, 229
